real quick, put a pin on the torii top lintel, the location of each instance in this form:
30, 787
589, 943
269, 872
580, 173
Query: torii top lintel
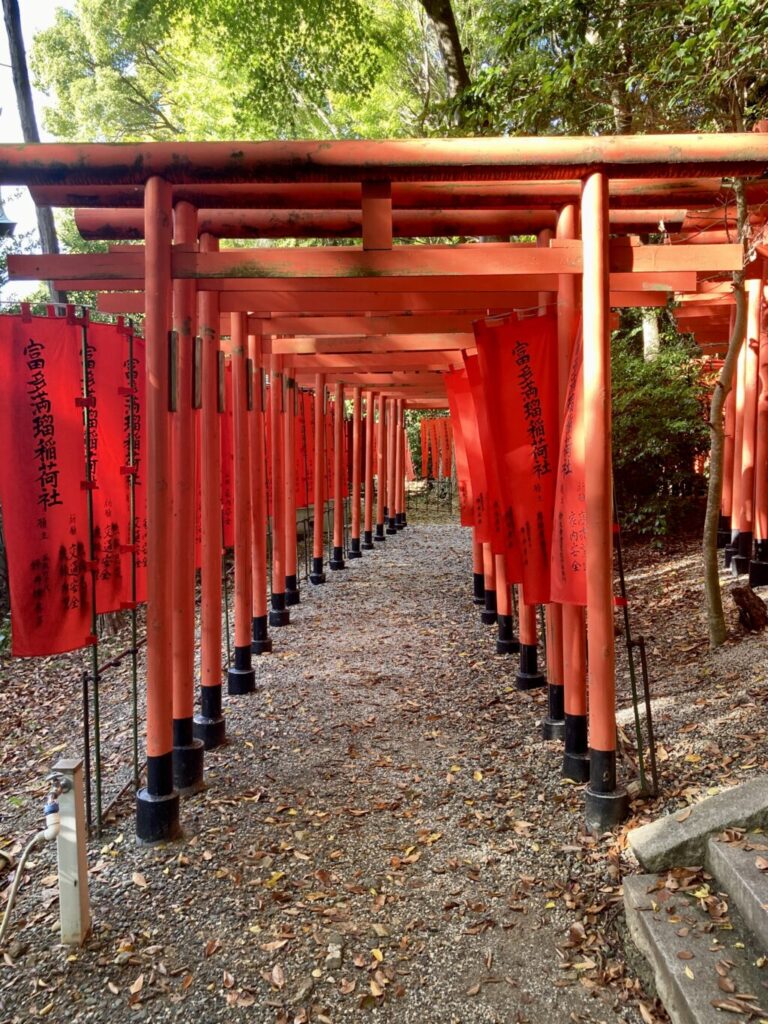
482, 159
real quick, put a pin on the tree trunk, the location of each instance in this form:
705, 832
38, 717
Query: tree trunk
48, 238
651, 339
440, 13
715, 614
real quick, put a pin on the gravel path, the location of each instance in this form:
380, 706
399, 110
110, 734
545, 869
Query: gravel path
385, 837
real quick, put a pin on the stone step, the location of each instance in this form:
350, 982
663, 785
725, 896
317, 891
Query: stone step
681, 838
734, 865
703, 971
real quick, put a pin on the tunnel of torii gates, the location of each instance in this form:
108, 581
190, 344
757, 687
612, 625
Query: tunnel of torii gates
617, 221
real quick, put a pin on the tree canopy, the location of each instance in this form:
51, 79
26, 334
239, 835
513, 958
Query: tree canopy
131, 69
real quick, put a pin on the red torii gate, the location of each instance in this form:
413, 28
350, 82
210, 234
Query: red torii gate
552, 175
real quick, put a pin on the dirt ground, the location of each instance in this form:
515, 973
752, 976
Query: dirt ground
385, 836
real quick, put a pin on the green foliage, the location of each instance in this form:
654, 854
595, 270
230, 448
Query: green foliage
659, 429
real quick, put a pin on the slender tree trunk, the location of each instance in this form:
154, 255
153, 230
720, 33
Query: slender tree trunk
441, 14
715, 615
48, 238
651, 340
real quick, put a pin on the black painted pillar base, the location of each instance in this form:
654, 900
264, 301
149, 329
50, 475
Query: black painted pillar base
367, 544
400, 522
241, 678
379, 535
157, 805
576, 754
279, 615
354, 548
730, 549
292, 595
506, 642
261, 643
740, 558
317, 576
488, 614
606, 804
209, 725
478, 588
187, 758
529, 677
758, 567
404, 519
553, 726
391, 525
336, 560
723, 531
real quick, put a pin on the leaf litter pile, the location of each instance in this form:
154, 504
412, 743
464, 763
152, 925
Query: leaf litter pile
385, 836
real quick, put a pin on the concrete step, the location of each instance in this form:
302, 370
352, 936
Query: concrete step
734, 865
681, 838
705, 967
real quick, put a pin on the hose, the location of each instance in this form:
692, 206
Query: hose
51, 831
38, 838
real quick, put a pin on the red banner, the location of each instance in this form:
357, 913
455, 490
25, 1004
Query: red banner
518, 367
41, 484
569, 537
227, 422
455, 382
116, 367
501, 535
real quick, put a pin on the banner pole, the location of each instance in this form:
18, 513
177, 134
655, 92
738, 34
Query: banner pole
90, 483
132, 401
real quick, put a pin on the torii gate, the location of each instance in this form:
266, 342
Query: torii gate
316, 297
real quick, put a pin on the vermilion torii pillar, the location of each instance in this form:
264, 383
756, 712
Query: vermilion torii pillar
758, 567
260, 639
241, 678
732, 548
367, 543
743, 553
157, 805
279, 614
354, 539
291, 406
209, 723
187, 751
399, 468
391, 465
317, 575
478, 577
336, 561
574, 664
381, 471
528, 676
505, 642
606, 802
489, 612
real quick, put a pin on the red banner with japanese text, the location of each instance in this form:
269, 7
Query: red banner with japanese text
501, 534
518, 367
569, 535
227, 424
116, 383
456, 382
42, 473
